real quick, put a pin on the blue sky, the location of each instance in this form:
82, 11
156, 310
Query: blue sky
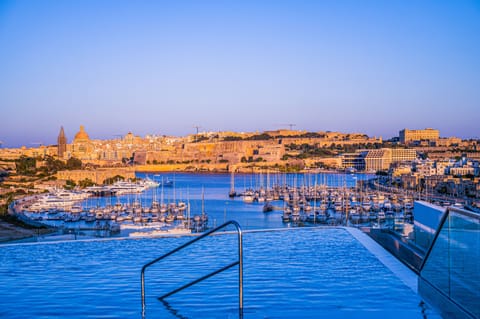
162, 67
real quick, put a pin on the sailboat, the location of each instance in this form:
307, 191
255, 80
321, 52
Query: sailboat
268, 207
232, 192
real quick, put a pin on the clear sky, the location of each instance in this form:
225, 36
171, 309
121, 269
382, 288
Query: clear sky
162, 67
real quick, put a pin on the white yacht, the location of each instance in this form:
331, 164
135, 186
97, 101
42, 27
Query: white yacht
70, 195
122, 187
49, 201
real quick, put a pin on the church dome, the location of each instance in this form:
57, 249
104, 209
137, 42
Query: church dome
82, 135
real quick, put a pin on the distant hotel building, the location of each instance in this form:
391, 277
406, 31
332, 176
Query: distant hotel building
377, 159
409, 136
354, 160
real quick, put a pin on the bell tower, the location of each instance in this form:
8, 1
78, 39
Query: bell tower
61, 143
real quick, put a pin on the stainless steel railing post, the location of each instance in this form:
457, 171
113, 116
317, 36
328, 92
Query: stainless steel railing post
240, 269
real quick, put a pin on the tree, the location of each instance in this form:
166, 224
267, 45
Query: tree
53, 165
113, 179
87, 182
259, 137
232, 138
69, 184
26, 165
9, 199
200, 138
74, 163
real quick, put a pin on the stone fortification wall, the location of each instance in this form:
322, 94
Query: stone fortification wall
230, 152
98, 176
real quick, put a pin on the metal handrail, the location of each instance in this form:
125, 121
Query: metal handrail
239, 262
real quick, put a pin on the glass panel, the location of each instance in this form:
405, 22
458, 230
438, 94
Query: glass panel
427, 221
465, 262
453, 266
437, 267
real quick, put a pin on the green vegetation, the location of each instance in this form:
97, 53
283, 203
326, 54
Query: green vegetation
87, 182
200, 138
8, 200
259, 137
232, 138
73, 163
113, 179
312, 135
69, 184
307, 151
292, 168
26, 166
52, 165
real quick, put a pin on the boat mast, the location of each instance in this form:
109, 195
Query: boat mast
188, 208
161, 199
203, 202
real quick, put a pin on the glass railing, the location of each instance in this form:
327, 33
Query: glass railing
427, 221
452, 265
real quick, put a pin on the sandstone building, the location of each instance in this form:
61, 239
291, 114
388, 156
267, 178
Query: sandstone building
409, 136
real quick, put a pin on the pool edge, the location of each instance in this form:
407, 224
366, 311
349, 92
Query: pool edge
406, 275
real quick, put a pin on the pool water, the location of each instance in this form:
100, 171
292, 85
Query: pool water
296, 273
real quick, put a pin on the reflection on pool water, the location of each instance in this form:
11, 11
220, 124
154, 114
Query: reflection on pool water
296, 273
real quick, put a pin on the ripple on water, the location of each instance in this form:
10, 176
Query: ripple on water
299, 273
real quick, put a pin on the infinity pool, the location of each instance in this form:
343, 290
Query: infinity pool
297, 273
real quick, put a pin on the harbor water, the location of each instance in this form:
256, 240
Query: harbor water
204, 194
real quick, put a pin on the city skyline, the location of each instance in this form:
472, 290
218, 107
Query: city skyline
69, 138
373, 67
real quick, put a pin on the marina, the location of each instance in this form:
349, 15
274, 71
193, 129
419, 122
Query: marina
170, 204
139, 205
